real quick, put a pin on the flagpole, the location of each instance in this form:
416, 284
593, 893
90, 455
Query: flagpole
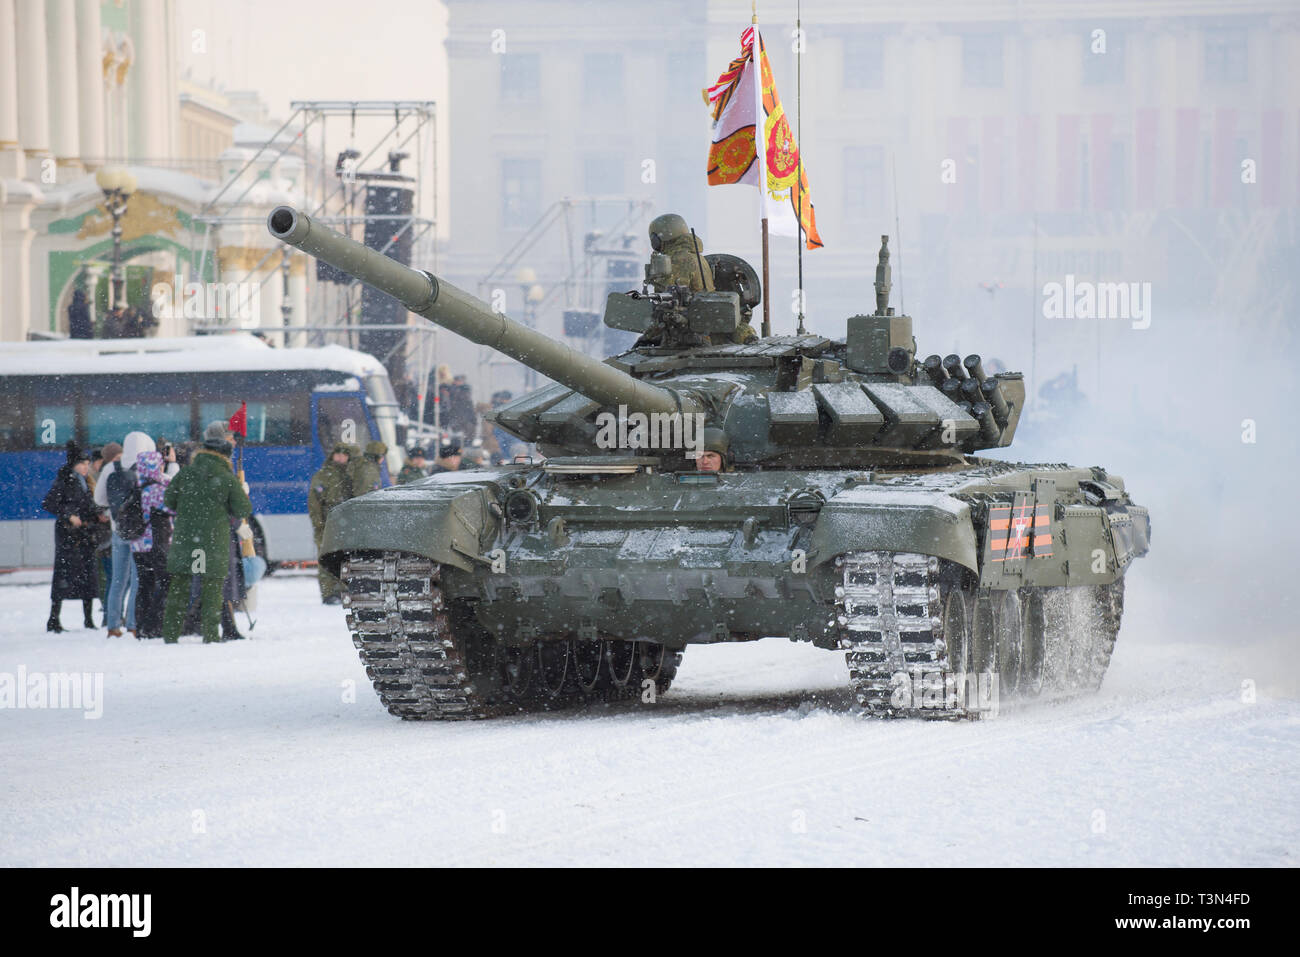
798, 122
760, 144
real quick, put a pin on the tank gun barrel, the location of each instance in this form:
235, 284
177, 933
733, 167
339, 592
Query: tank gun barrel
457, 311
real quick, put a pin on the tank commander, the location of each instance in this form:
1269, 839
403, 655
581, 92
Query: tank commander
670, 235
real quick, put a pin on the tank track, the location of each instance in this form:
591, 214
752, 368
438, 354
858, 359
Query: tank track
919, 642
428, 659
887, 609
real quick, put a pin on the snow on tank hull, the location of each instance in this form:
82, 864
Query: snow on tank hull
574, 587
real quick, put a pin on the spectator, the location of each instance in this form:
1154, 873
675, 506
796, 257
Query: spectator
124, 584
414, 469
170, 465
205, 495
79, 324
150, 549
69, 500
448, 458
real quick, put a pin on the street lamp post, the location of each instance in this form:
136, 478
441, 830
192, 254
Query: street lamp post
118, 185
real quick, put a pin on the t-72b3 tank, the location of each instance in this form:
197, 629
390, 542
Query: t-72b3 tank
849, 511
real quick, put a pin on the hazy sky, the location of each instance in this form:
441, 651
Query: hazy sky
308, 50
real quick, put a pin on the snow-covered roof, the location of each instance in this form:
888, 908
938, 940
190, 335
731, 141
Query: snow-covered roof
222, 353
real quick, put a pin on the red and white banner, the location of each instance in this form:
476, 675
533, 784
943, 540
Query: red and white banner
736, 99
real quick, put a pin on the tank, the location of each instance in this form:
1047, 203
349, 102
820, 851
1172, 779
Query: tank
850, 510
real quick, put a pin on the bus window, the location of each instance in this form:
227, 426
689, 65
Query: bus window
153, 404
338, 418
269, 423
15, 414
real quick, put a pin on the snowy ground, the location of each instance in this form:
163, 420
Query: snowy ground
249, 753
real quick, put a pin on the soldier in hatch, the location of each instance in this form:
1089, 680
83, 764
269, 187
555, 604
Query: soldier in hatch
330, 486
713, 454
670, 235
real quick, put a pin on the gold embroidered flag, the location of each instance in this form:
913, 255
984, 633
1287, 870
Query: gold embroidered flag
735, 100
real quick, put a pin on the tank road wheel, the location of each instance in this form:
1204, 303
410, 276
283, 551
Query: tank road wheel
515, 670
1009, 628
658, 664
554, 672
983, 640
956, 631
1032, 626
588, 659
621, 661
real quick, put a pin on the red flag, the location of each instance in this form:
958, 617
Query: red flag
239, 421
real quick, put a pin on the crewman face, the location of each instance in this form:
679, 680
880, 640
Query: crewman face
709, 462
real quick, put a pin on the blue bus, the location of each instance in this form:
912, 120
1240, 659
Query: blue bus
300, 402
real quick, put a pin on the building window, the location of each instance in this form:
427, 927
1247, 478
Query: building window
521, 192
864, 59
1102, 68
1225, 56
520, 77
981, 59
602, 77
602, 178
864, 181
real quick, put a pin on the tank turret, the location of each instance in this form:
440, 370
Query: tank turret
864, 401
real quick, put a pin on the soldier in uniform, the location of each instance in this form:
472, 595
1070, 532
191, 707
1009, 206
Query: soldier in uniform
413, 470
364, 470
330, 486
670, 235
714, 452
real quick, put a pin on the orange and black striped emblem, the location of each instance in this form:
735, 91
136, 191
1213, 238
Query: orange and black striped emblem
1020, 531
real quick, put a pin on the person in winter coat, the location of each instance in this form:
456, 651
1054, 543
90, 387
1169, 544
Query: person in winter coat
330, 486
69, 501
115, 486
79, 324
150, 549
414, 469
366, 471
205, 495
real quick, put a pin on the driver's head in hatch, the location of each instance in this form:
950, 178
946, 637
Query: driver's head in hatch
713, 453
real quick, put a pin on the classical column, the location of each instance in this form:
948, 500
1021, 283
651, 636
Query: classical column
147, 82
11, 154
33, 92
61, 33
17, 200
90, 82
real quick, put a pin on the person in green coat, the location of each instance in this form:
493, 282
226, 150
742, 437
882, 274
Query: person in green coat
365, 471
330, 486
205, 495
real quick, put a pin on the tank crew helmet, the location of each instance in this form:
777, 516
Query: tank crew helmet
715, 440
664, 229
376, 449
